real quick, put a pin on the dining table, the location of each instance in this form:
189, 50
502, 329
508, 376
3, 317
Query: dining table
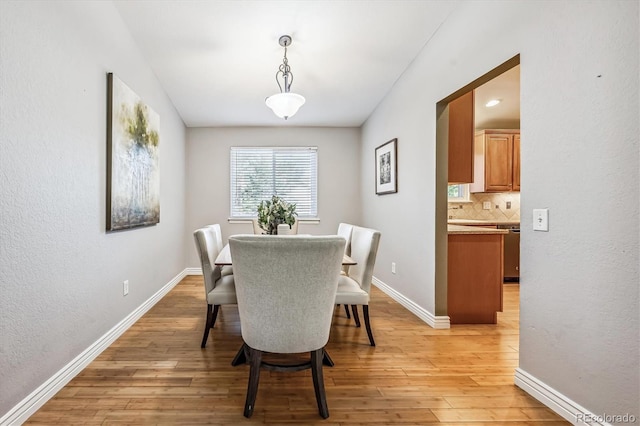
224, 258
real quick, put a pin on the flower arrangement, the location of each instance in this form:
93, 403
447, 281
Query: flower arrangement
274, 212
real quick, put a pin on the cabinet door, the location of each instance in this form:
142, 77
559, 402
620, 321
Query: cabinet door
516, 162
461, 139
498, 163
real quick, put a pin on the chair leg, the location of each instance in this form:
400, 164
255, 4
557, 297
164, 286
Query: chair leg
367, 324
356, 317
255, 359
326, 359
241, 356
216, 308
318, 382
346, 310
207, 327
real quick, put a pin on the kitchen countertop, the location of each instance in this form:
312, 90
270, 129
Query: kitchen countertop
460, 229
489, 222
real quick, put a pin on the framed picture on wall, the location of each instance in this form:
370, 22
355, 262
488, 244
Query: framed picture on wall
387, 167
133, 175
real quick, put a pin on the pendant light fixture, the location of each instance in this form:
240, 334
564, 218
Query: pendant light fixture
285, 104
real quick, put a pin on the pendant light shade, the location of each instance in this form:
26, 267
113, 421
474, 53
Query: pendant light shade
285, 104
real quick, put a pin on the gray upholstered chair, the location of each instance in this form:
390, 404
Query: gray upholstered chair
219, 289
355, 288
227, 269
286, 291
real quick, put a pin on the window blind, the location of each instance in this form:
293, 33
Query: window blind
289, 172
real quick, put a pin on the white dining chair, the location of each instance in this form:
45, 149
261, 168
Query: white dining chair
344, 230
286, 288
219, 289
256, 227
284, 229
227, 269
354, 289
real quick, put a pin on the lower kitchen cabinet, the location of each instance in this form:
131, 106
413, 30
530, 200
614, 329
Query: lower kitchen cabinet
475, 275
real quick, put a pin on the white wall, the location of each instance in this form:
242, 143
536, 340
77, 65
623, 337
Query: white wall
60, 273
208, 175
580, 158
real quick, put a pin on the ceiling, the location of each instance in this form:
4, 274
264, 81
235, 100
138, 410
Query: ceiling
505, 115
217, 60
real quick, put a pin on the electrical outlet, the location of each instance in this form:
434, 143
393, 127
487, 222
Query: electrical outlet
393, 267
508, 204
486, 205
125, 287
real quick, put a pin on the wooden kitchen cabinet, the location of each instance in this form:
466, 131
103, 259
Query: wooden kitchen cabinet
474, 278
461, 135
496, 161
516, 162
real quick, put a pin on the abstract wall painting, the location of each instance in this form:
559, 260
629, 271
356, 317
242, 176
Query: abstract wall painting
133, 174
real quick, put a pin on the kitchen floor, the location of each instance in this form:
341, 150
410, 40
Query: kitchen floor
510, 315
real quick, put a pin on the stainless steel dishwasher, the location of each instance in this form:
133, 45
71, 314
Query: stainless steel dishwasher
511, 253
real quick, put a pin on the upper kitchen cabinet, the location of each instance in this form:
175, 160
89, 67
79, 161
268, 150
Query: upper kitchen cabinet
516, 162
497, 161
461, 130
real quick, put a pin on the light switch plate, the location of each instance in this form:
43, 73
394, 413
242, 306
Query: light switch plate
541, 220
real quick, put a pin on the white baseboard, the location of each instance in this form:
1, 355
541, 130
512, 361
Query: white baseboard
29, 405
562, 405
193, 271
439, 322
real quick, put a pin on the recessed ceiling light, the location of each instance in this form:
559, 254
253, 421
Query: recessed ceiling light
492, 102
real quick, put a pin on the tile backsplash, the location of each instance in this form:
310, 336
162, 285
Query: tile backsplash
498, 207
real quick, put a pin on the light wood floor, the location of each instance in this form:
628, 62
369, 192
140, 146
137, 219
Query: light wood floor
156, 373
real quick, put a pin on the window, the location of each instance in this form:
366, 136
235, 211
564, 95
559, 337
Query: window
459, 192
259, 173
